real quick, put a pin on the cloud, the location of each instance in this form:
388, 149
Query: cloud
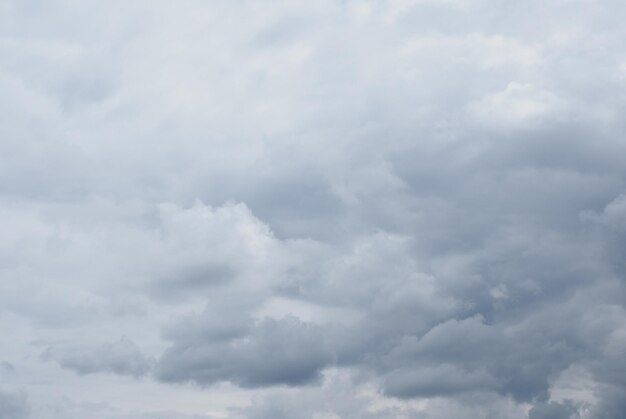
122, 357
271, 352
552, 410
13, 406
518, 105
440, 381
343, 208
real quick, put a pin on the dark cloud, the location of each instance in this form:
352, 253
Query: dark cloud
270, 352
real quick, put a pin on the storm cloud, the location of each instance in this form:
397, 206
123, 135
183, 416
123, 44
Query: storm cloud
280, 209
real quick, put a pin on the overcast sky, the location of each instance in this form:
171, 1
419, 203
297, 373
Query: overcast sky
313, 209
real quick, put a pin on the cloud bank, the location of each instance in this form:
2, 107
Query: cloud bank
353, 209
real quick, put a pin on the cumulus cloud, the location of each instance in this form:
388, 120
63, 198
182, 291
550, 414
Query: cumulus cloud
333, 209
272, 352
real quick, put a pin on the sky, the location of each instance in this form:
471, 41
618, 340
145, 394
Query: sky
312, 209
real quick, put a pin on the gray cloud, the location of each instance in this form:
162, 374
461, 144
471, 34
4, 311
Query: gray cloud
271, 352
415, 205
122, 357
439, 381
552, 410
13, 406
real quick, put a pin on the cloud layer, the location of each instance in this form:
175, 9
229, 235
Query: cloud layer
354, 209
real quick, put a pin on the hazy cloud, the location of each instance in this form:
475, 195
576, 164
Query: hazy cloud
13, 406
121, 357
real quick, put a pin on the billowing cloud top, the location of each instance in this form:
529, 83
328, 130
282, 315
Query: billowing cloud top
324, 209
